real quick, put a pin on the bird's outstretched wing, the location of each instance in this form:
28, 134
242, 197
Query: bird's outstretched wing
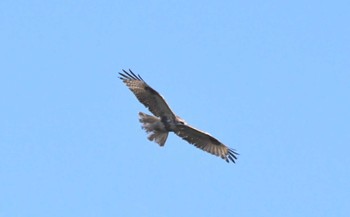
206, 142
147, 95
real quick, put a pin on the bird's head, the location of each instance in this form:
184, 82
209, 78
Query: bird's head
180, 120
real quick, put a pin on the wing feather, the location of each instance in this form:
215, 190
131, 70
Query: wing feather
146, 94
206, 142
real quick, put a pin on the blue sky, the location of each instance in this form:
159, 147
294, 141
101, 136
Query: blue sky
270, 79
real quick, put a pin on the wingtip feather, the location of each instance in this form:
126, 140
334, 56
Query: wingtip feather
130, 75
231, 155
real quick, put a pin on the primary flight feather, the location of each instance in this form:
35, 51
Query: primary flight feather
166, 121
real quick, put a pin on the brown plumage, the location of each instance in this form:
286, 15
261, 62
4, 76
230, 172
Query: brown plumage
166, 121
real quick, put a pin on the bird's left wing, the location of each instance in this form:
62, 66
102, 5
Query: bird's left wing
206, 142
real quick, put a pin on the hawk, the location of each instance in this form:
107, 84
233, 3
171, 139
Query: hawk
165, 121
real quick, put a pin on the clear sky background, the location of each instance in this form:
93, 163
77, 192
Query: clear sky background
270, 79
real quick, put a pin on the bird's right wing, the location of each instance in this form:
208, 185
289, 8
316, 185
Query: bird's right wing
147, 95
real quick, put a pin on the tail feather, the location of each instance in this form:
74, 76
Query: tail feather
158, 137
154, 127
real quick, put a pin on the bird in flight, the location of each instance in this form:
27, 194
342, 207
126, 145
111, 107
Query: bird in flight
165, 121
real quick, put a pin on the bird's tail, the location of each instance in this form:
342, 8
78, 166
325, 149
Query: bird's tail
154, 127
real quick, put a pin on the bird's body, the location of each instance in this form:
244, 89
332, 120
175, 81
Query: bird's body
165, 121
